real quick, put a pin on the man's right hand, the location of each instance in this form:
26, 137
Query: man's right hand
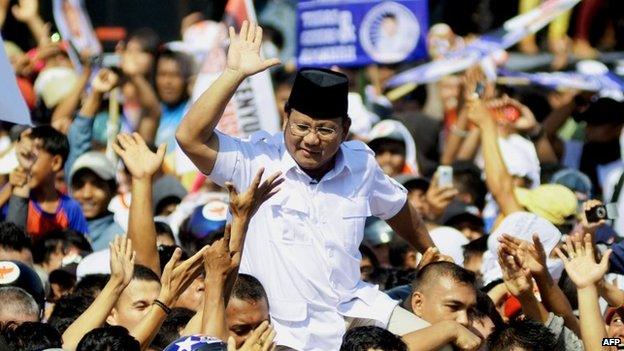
105, 81
244, 57
464, 338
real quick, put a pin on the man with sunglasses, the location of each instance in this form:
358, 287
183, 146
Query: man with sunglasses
302, 245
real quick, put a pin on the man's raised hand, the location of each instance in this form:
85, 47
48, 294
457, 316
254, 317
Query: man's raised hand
246, 204
580, 263
138, 158
105, 81
121, 260
244, 57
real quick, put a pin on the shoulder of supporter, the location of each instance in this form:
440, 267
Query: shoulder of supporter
566, 339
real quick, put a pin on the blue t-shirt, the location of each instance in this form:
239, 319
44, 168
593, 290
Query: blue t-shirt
169, 121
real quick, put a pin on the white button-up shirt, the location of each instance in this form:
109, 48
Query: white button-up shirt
302, 244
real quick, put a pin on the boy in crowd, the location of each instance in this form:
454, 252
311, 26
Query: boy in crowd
35, 203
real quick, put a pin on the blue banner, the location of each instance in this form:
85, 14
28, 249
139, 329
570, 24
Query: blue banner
570, 80
360, 32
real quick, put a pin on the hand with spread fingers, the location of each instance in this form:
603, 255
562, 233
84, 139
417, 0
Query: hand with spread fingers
244, 57
260, 340
246, 204
122, 258
176, 276
531, 254
580, 263
136, 155
516, 276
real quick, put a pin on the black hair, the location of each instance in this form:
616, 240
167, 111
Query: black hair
523, 334
145, 274
367, 252
91, 285
44, 247
147, 38
113, 338
436, 270
34, 336
184, 61
548, 169
170, 329
485, 308
13, 237
398, 252
371, 337
536, 101
165, 252
249, 288
67, 309
54, 142
467, 179
64, 279
163, 229
475, 247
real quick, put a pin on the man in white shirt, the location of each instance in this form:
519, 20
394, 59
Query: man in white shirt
302, 244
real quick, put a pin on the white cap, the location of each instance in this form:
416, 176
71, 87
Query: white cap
449, 241
96, 263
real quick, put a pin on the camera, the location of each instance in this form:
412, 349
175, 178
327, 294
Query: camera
598, 213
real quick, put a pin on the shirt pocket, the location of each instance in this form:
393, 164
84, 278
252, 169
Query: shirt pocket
289, 310
291, 222
354, 213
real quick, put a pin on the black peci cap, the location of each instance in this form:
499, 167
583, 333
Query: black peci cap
18, 274
320, 93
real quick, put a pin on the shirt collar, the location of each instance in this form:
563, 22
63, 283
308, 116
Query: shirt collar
342, 162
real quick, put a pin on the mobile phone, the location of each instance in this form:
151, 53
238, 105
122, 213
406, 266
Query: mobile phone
445, 176
598, 213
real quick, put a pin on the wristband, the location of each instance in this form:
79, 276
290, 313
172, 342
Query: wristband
163, 306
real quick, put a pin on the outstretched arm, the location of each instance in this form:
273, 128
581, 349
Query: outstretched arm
499, 181
122, 268
142, 164
195, 135
583, 270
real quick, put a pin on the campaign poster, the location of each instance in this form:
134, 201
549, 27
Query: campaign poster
352, 33
74, 25
12, 105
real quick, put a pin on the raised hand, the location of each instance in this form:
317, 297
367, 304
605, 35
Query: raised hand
105, 81
516, 276
439, 198
121, 260
26, 10
176, 276
580, 263
244, 56
138, 158
246, 204
592, 227
260, 340
531, 254
218, 260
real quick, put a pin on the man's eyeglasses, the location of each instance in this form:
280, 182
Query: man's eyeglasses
301, 130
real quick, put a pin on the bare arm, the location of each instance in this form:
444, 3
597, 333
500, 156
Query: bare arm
122, 268
583, 270
534, 257
175, 279
142, 164
64, 112
499, 181
410, 226
455, 139
469, 146
195, 135
611, 293
440, 334
27, 11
